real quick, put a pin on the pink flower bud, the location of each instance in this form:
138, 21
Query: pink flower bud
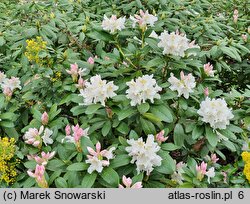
45, 118
214, 158
235, 16
208, 69
91, 60
127, 181
206, 91
160, 137
81, 83
7, 92
68, 130
244, 37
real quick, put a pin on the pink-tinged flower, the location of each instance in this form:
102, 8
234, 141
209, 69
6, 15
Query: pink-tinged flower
244, 37
208, 69
81, 83
73, 71
201, 170
127, 182
214, 158
68, 130
96, 158
32, 136
235, 16
39, 176
160, 137
78, 133
106, 58
91, 60
144, 19
206, 91
43, 160
45, 118
7, 92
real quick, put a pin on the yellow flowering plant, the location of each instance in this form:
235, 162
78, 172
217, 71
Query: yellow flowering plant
8, 161
34, 48
246, 159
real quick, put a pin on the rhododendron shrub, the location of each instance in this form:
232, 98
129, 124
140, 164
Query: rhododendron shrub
125, 94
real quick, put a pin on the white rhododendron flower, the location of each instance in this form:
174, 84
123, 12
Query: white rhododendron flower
144, 155
99, 159
97, 90
210, 174
46, 136
141, 89
12, 83
35, 137
153, 35
144, 19
113, 24
183, 86
215, 112
2, 77
174, 43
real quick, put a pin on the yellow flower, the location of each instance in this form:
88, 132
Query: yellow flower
7, 161
246, 171
34, 47
246, 157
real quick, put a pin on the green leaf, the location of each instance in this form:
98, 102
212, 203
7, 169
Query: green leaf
77, 167
106, 128
167, 165
169, 147
77, 110
152, 117
125, 113
229, 145
120, 160
7, 124
89, 180
29, 182
197, 132
179, 135
100, 35
211, 137
86, 142
133, 135
123, 141
163, 113
231, 52
110, 176
143, 108
2, 41
123, 128
30, 164
137, 178
61, 183
147, 126
92, 108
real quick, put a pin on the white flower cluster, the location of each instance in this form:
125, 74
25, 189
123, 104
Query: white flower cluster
35, 137
184, 86
144, 154
174, 43
97, 90
143, 88
215, 112
143, 19
113, 24
8, 85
